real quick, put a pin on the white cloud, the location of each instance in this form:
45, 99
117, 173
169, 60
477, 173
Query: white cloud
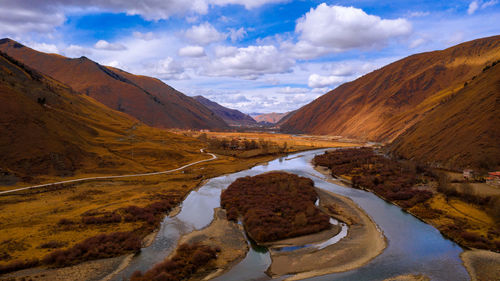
478, 4
489, 4
143, 36
44, 47
192, 51
419, 14
249, 62
290, 90
74, 51
225, 51
473, 6
237, 34
204, 34
17, 20
249, 4
105, 45
417, 42
327, 29
169, 69
318, 81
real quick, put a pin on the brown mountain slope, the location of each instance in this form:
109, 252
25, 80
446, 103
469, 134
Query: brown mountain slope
230, 116
48, 130
462, 132
147, 99
272, 118
384, 103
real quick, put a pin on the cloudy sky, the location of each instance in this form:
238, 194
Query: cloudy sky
252, 55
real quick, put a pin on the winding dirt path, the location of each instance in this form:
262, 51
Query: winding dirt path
113, 177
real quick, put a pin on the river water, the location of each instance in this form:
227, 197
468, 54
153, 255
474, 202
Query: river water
413, 246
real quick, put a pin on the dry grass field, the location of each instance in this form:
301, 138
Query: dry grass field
293, 142
32, 218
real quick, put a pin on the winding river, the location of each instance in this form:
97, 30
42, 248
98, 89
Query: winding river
413, 246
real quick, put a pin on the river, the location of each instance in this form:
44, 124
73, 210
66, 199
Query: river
413, 246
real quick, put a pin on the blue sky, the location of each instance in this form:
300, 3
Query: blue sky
252, 55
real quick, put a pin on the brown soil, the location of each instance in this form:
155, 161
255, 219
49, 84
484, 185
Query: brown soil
410, 277
482, 265
227, 236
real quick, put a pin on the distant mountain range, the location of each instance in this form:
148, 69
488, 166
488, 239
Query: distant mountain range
429, 104
271, 118
232, 117
147, 99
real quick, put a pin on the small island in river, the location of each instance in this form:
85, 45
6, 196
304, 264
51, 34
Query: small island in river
284, 210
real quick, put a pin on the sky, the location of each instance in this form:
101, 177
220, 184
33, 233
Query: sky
257, 56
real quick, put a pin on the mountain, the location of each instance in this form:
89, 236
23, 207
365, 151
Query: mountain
147, 99
48, 129
286, 117
232, 117
384, 103
462, 132
272, 118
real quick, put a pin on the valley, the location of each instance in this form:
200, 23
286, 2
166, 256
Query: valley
392, 174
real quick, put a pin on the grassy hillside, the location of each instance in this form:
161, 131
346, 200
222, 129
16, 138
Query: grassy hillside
147, 99
462, 132
384, 103
48, 130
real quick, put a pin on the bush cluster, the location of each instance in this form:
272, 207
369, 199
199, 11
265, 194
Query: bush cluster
387, 178
102, 218
274, 206
149, 214
97, 247
18, 265
188, 260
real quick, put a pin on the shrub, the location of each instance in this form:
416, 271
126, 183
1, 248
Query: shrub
18, 265
97, 247
52, 245
390, 179
187, 260
104, 218
274, 206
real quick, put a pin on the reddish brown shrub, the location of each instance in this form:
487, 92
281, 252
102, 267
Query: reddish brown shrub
274, 206
390, 179
188, 260
97, 247
104, 218
18, 265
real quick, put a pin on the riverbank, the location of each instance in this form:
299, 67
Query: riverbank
482, 265
222, 234
363, 242
461, 217
52, 205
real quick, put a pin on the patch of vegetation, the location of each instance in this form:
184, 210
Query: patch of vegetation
18, 265
274, 206
387, 178
188, 261
98, 247
243, 148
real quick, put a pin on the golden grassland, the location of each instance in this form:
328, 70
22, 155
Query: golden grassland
294, 142
31, 218
454, 217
